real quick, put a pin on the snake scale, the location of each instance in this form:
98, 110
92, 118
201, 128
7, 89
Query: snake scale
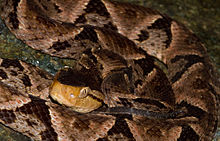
140, 75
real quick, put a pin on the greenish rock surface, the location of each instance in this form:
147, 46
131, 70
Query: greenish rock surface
201, 16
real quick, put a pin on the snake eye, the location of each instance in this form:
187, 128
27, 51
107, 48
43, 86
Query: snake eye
83, 93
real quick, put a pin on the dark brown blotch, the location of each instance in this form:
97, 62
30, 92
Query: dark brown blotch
191, 59
7, 116
165, 25
87, 33
192, 110
13, 73
14, 63
71, 77
96, 6
13, 18
52, 136
138, 82
188, 134
80, 19
3, 74
199, 84
121, 126
146, 64
144, 35
59, 46
26, 80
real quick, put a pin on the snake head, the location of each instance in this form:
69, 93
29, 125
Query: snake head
80, 98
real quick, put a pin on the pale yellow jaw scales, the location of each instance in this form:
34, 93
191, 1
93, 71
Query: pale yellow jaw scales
71, 97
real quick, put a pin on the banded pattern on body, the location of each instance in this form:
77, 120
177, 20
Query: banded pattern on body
115, 45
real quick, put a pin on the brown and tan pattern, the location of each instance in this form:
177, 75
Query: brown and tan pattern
118, 47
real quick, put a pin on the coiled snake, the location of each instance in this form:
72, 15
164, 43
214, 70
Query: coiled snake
140, 75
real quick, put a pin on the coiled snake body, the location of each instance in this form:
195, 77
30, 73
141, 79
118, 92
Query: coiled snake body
117, 90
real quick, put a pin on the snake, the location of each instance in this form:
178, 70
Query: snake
140, 75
